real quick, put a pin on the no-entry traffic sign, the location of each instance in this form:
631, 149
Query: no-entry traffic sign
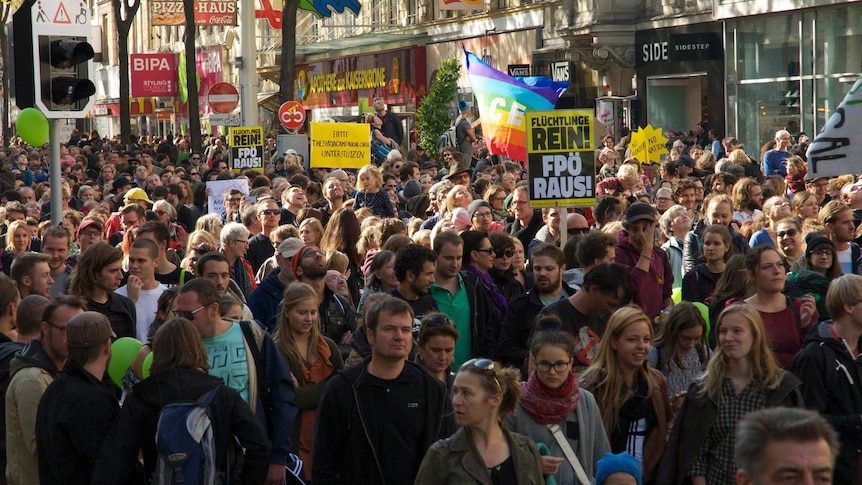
223, 98
292, 115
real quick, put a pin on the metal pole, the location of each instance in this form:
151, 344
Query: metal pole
564, 226
55, 173
248, 72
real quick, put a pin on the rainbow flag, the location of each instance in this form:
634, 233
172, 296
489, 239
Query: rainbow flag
503, 100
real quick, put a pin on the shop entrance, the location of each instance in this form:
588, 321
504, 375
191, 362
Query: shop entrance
677, 103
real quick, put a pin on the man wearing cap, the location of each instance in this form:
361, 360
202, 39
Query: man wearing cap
266, 298
89, 232
260, 246
651, 274
198, 301
77, 410
38, 364
391, 127
464, 135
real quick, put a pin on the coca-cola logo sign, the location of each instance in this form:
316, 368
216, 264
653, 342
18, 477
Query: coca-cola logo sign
213, 12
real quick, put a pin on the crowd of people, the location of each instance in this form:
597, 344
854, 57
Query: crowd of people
417, 321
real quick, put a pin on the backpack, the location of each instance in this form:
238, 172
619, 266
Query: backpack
184, 442
448, 139
379, 152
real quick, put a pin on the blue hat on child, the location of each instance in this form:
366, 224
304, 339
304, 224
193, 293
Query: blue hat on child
622, 462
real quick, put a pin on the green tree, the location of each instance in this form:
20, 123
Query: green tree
433, 114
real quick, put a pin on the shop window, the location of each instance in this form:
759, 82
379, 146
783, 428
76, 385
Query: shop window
838, 39
676, 103
764, 108
768, 47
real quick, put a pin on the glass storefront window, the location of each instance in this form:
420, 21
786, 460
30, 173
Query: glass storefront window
768, 47
838, 37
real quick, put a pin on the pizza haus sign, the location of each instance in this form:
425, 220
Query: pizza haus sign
213, 12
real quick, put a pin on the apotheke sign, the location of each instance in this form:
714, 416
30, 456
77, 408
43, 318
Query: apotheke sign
681, 47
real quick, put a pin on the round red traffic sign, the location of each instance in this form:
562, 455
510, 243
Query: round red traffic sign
223, 98
292, 115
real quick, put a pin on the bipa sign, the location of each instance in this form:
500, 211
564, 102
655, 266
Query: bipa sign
153, 74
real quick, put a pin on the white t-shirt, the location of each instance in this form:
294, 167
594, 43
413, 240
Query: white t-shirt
145, 308
744, 217
844, 257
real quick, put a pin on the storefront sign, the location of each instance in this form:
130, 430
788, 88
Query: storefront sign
246, 148
837, 149
398, 76
208, 62
678, 47
166, 115
560, 160
153, 74
648, 144
340, 145
521, 70
696, 47
211, 12
560, 71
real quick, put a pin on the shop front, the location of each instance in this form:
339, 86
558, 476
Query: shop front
790, 70
342, 88
680, 77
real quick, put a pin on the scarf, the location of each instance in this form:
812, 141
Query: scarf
499, 300
240, 275
546, 405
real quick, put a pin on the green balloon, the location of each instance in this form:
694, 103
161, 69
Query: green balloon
145, 367
676, 295
32, 126
123, 352
704, 312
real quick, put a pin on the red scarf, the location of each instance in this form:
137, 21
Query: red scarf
546, 405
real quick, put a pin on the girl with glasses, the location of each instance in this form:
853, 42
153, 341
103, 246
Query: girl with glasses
812, 273
483, 450
551, 399
632, 396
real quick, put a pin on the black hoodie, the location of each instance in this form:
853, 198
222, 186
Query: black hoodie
135, 428
832, 385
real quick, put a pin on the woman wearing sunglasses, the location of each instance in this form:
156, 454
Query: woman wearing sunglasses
436, 347
503, 271
482, 451
312, 359
632, 396
554, 410
742, 376
788, 236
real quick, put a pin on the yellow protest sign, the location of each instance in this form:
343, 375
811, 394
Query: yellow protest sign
648, 144
246, 148
340, 145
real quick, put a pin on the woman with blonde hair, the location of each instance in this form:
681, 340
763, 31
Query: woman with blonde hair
210, 223
775, 209
482, 451
311, 231
742, 376
632, 396
805, 206
179, 373
311, 357
18, 238
370, 193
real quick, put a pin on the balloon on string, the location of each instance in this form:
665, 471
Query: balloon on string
123, 352
32, 127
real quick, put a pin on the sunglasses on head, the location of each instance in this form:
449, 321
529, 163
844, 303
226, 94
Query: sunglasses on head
437, 321
572, 231
483, 365
203, 248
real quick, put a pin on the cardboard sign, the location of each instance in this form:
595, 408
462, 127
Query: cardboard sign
246, 148
560, 161
216, 190
648, 145
340, 145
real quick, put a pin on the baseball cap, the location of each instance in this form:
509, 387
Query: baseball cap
90, 222
137, 194
88, 329
297, 257
289, 247
639, 211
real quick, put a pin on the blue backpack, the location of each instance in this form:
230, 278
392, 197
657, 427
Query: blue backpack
184, 442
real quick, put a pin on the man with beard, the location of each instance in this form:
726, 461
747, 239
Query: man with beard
215, 267
747, 200
414, 268
519, 322
337, 317
32, 273
333, 193
837, 218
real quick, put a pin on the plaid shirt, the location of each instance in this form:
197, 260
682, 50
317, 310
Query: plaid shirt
715, 460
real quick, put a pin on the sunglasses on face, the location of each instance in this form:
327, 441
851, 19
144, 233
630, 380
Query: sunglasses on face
270, 212
504, 253
572, 231
789, 232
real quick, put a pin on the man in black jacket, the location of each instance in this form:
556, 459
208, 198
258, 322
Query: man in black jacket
377, 419
77, 410
830, 369
527, 221
391, 124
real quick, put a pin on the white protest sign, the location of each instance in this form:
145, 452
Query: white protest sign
833, 153
216, 190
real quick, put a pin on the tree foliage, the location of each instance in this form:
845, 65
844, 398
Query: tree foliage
433, 115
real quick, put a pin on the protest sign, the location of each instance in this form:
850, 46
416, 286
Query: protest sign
216, 190
837, 148
246, 148
560, 160
648, 144
340, 145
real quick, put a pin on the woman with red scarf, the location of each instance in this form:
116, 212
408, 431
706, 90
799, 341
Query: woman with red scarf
553, 409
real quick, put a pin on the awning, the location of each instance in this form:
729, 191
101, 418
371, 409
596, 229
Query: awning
270, 100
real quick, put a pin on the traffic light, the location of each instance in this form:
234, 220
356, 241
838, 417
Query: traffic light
53, 59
